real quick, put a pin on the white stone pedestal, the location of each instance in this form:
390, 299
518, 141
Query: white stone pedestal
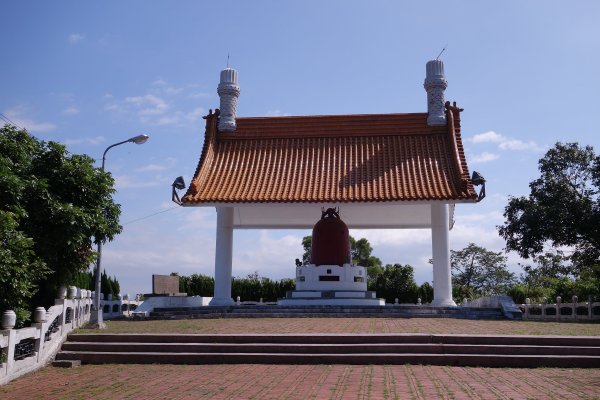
331, 285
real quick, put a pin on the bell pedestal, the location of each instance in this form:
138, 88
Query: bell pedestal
331, 285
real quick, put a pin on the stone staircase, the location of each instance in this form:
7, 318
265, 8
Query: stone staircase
278, 311
453, 350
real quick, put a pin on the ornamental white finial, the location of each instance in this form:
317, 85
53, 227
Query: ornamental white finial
228, 91
435, 84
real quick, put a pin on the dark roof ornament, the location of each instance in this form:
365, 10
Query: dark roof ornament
178, 184
479, 180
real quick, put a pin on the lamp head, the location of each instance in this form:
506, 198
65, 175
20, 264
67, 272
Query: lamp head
179, 183
139, 139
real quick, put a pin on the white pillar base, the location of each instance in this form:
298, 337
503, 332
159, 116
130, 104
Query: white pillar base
443, 303
221, 302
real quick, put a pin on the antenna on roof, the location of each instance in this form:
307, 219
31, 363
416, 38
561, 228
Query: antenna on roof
228, 59
442, 51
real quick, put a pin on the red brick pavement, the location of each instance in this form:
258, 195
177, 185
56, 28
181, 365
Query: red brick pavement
303, 382
316, 381
355, 325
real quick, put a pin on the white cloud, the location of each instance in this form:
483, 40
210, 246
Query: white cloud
16, 115
129, 182
96, 140
72, 110
180, 118
167, 163
269, 255
151, 168
148, 104
199, 95
483, 157
516, 144
195, 114
277, 113
480, 217
505, 143
162, 86
75, 38
156, 107
489, 136
390, 237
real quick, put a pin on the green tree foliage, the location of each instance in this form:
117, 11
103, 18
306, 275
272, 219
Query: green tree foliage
254, 287
251, 288
361, 252
397, 281
55, 206
553, 274
83, 280
307, 246
20, 269
197, 285
426, 293
109, 285
563, 208
478, 271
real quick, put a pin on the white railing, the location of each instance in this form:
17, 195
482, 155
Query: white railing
27, 349
560, 311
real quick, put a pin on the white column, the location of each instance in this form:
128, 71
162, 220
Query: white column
223, 258
442, 280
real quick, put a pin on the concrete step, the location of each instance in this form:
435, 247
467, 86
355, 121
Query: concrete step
466, 360
464, 350
297, 348
66, 363
340, 338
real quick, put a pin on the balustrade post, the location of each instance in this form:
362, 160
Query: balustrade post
10, 354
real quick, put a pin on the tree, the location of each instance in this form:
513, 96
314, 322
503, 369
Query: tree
547, 268
360, 251
426, 292
397, 281
562, 209
59, 205
553, 274
83, 280
476, 270
20, 269
307, 246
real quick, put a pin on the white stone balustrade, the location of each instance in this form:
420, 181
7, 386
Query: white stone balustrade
561, 311
48, 335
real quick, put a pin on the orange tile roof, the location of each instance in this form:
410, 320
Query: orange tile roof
332, 159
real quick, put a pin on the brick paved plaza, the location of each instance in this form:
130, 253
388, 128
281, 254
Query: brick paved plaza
316, 381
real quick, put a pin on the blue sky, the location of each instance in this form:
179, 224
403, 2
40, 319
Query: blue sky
92, 74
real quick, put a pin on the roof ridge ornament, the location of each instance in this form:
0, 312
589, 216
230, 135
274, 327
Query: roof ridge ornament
228, 91
435, 84
210, 113
453, 107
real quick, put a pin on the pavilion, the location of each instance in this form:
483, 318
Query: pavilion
384, 171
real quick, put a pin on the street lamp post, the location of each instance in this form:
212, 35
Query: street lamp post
97, 314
